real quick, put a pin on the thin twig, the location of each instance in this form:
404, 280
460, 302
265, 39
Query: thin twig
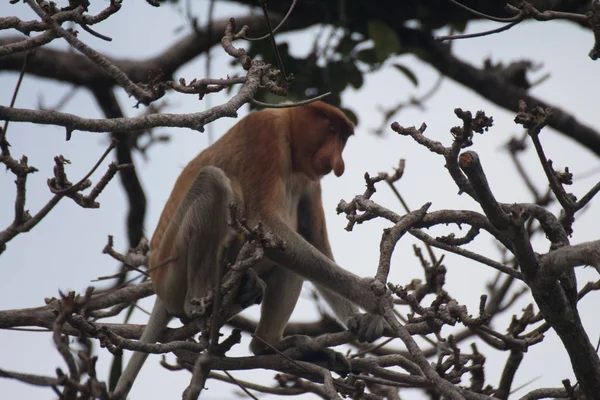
278, 26
478, 34
240, 385
3, 142
263, 4
289, 105
486, 16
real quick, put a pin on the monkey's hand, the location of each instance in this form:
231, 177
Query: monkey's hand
251, 291
367, 327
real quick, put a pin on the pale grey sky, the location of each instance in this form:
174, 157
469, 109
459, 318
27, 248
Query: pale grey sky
64, 252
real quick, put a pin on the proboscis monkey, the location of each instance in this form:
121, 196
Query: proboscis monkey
270, 163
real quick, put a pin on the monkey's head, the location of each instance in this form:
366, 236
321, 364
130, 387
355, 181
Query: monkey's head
318, 136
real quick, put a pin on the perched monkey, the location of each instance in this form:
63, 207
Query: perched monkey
270, 163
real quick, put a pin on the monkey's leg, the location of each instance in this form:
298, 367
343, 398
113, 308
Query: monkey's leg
201, 233
281, 296
283, 290
204, 245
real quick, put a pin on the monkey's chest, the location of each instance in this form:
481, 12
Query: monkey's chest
289, 215
295, 189
290, 212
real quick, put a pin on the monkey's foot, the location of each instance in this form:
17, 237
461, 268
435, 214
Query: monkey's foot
303, 348
251, 291
367, 327
196, 307
332, 360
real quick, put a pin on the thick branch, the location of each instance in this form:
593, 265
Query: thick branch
75, 68
193, 120
555, 263
493, 87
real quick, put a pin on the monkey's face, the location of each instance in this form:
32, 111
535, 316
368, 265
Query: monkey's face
318, 138
317, 152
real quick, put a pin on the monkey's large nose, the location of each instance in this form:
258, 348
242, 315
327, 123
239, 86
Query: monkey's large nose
338, 166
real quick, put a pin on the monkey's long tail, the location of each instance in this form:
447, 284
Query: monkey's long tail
159, 319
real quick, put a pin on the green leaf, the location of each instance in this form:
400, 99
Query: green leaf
346, 44
355, 77
384, 38
367, 56
459, 26
408, 73
351, 115
337, 74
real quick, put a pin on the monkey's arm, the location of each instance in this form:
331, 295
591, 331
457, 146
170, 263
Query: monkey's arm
312, 226
314, 261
